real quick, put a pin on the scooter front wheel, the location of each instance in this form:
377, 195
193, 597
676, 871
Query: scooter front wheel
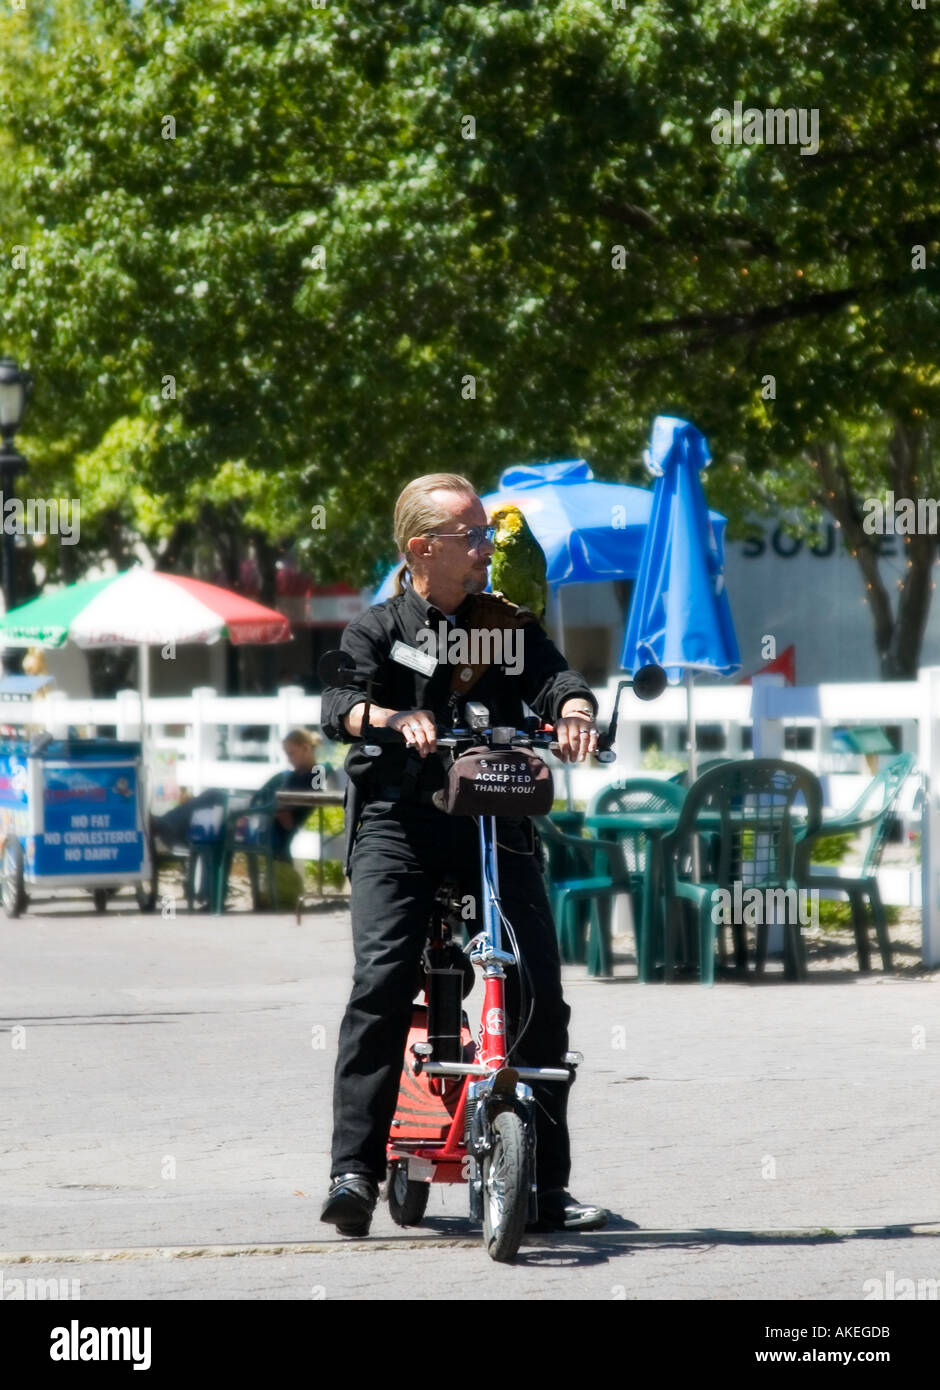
407, 1200
505, 1172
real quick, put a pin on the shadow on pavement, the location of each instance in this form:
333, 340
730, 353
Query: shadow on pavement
622, 1237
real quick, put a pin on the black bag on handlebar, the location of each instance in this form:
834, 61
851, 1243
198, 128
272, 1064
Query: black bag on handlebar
508, 782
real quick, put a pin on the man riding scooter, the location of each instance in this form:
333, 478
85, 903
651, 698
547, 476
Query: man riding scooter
404, 845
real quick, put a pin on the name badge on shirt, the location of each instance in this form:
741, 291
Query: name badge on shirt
411, 657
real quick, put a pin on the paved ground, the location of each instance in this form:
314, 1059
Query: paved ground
167, 1128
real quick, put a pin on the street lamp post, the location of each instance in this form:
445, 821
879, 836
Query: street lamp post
15, 388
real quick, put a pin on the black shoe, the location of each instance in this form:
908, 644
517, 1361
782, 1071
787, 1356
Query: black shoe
558, 1211
350, 1203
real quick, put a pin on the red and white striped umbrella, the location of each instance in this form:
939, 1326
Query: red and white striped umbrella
141, 608
144, 609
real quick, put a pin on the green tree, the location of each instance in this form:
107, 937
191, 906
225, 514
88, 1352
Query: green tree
530, 244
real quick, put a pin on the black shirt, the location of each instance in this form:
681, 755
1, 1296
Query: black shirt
294, 781
544, 681
298, 781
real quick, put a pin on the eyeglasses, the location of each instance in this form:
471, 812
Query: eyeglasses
475, 537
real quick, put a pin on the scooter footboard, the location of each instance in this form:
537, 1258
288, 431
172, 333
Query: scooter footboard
421, 1116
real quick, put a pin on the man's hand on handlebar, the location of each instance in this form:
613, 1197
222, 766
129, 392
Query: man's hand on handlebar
575, 734
417, 727
576, 737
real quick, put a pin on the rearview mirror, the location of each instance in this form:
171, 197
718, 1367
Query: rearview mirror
649, 682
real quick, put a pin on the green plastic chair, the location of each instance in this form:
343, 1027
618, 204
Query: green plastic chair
872, 811
250, 831
681, 779
558, 860
749, 806
560, 865
592, 887
206, 841
622, 797
709, 844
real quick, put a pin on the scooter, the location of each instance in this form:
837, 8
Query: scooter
465, 1112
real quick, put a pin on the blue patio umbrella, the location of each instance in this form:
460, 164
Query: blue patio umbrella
680, 617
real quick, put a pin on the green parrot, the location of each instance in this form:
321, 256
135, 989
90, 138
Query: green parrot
517, 569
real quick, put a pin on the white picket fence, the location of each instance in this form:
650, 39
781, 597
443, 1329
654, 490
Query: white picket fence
209, 733
209, 738
205, 731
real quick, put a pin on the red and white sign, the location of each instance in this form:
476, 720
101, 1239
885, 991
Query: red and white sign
334, 606
329, 605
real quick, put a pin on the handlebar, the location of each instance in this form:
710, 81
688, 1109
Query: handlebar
498, 736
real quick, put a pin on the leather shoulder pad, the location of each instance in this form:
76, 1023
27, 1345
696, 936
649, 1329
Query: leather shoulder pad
495, 608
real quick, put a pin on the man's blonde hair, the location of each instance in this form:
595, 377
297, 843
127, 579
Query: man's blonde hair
417, 513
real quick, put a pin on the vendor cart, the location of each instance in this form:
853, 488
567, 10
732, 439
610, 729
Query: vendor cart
72, 815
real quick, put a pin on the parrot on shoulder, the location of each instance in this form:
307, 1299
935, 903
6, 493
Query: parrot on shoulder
517, 568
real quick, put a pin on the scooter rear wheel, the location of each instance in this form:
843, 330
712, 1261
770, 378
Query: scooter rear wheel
407, 1200
505, 1188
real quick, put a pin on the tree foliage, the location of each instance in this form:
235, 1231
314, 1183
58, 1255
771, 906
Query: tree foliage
387, 238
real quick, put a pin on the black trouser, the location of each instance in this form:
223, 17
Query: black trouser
402, 852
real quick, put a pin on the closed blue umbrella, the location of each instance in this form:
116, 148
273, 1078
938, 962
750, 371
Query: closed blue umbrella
680, 617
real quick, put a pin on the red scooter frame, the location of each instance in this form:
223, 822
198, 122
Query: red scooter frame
464, 1114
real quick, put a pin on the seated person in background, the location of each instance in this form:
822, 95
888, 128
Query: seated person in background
300, 747
34, 664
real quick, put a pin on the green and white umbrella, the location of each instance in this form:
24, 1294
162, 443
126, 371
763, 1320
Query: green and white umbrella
141, 608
